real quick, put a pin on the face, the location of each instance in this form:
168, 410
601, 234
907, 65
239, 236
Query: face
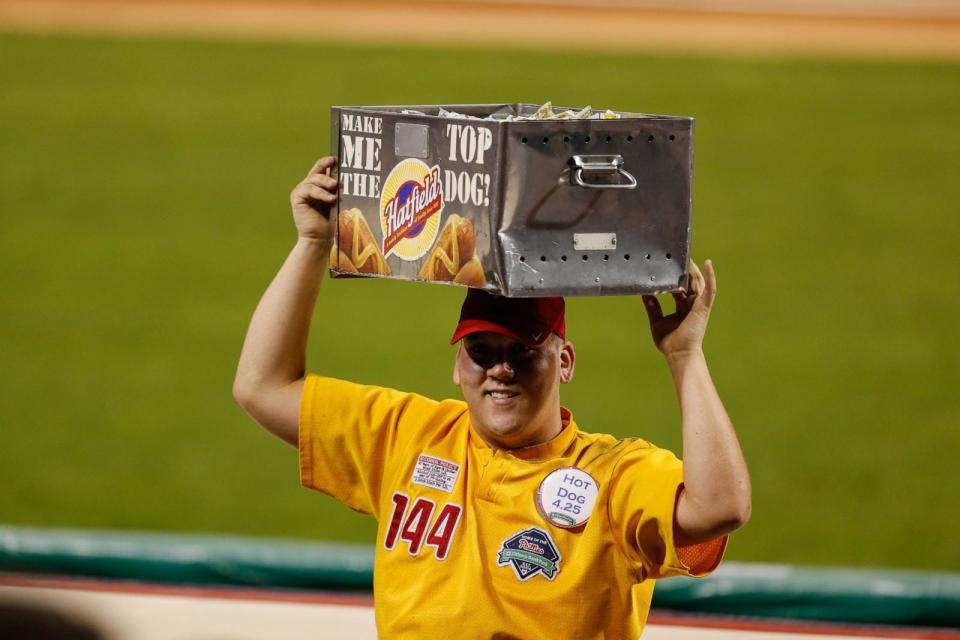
513, 389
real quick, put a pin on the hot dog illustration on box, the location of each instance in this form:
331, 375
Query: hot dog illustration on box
354, 249
454, 257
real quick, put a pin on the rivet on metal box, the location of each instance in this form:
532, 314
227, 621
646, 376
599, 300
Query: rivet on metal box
495, 196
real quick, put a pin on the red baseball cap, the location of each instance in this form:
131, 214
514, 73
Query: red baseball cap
529, 320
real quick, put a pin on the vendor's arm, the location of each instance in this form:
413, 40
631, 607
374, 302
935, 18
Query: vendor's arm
715, 499
272, 366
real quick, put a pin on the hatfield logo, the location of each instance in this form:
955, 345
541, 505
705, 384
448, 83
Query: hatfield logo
410, 208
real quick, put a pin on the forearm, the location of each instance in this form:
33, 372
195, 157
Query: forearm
274, 351
716, 497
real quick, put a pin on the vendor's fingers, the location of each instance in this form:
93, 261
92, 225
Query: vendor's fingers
654, 312
307, 192
683, 301
708, 288
301, 192
322, 165
696, 281
710, 282
321, 194
322, 181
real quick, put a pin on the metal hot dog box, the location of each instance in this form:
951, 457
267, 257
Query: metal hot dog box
493, 196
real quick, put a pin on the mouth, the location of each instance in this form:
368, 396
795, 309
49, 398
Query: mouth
501, 396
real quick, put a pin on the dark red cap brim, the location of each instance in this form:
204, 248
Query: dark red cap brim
475, 325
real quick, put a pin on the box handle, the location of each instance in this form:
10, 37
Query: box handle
601, 165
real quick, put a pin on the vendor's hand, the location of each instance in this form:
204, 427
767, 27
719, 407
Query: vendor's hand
682, 332
312, 200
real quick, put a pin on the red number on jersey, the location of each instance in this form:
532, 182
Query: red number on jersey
399, 507
416, 524
414, 528
442, 531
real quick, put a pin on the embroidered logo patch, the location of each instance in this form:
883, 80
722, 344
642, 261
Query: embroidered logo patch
435, 473
530, 552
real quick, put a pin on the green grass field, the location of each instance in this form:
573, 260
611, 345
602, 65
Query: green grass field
143, 195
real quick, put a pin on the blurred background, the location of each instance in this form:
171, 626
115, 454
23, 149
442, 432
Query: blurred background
147, 150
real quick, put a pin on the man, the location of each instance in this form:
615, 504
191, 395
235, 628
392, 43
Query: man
498, 517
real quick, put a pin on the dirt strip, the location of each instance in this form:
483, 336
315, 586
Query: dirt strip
516, 25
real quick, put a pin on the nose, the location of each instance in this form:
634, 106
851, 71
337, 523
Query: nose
501, 369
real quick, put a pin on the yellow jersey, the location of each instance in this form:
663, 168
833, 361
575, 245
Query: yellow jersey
464, 548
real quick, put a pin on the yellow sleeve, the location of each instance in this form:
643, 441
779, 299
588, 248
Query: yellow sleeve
644, 487
348, 433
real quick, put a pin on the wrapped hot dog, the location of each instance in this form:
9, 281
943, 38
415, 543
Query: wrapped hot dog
453, 258
355, 250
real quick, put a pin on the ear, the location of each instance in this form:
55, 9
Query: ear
456, 366
568, 358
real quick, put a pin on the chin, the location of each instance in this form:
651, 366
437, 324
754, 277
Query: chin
509, 425
505, 429
509, 432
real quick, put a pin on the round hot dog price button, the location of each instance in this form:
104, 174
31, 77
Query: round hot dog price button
566, 497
